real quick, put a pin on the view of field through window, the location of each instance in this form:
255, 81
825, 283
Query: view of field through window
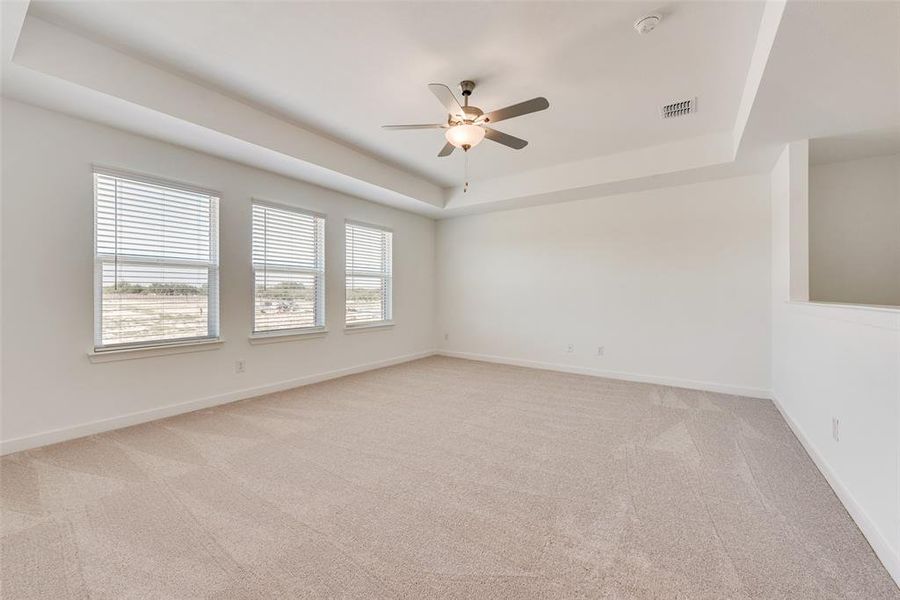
365, 299
285, 300
288, 268
145, 305
156, 256
368, 279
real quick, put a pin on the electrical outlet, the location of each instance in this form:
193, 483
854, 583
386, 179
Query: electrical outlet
600, 350
240, 366
836, 429
570, 348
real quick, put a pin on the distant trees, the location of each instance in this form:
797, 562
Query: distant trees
285, 286
159, 289
282, 289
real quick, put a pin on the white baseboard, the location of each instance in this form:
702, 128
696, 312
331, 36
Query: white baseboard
888, 556
69, 433
709, 386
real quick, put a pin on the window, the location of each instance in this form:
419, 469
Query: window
368, 274
288, 269
156, 268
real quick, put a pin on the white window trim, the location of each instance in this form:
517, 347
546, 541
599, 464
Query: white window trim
157, 347
287, 335
369, 326
117, 354
389, 280
369, 225
316, 330
153, 180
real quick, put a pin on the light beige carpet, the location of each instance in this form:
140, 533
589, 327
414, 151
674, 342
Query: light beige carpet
440, 478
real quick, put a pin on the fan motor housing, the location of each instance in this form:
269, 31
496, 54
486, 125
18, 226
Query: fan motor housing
472, 112
469, 114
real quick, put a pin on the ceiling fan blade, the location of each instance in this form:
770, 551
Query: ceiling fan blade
423, 126
446, 98
447, 150
504, 138
517, 110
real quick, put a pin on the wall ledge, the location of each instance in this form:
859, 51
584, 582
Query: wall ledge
873, 307
882, 317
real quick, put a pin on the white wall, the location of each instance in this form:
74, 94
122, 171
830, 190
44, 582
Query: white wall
837, 362
673, 283
854, 231
47, 245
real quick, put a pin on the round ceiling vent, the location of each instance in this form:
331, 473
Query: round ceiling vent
646, 24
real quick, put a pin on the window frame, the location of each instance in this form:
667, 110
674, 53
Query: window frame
387, 276
213, 318
320, 302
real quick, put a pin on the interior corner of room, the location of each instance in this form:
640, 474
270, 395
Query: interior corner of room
508, 351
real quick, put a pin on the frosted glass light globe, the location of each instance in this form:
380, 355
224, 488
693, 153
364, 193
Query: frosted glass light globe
465, 135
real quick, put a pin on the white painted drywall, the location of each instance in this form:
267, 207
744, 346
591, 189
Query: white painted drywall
854, 231
673, 283
832, 361
47, 261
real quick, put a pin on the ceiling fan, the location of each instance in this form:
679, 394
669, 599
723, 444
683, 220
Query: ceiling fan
466, 125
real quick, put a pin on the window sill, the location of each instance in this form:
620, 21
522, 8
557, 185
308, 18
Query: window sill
116, 354
287, 336
380, 325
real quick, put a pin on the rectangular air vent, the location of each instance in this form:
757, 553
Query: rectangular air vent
678, 109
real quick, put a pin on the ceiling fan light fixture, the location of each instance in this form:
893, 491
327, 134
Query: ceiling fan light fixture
465, 135
466, 125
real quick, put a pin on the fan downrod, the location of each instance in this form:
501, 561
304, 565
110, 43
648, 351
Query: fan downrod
470, 112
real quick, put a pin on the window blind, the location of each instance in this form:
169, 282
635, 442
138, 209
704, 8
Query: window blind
288, 269
156, 262
368, 277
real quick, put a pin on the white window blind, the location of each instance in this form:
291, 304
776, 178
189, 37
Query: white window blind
156, 262
368, 274
288, 269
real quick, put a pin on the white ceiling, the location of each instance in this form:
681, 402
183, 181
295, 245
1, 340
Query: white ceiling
344, 69
301, 89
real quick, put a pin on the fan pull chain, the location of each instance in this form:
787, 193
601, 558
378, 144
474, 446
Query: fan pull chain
466, 173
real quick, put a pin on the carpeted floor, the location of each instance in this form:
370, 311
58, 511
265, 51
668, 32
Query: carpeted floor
439, 478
